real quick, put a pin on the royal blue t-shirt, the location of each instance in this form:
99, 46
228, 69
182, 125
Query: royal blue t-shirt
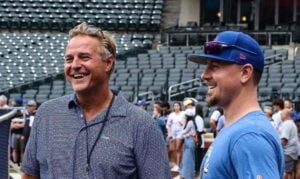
248, 148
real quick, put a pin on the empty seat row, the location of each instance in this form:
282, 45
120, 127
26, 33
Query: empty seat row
116, 15
27, 57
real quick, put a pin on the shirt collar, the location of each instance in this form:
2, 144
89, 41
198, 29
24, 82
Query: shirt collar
118, 107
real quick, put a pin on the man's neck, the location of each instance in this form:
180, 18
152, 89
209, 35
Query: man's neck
242, 105
94, 103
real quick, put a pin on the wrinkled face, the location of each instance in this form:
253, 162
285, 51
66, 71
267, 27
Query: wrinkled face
84, 67
223, 82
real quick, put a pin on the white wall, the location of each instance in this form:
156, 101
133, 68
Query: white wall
189, 11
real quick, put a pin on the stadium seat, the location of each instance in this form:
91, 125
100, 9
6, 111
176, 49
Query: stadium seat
265, 93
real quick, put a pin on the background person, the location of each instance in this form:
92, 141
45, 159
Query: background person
141, 104
214, 118
29, 119
288, 104
17, 125
187, 165
297, 168
278, 106
199, 150
289, 141
174, 127
3, 101
161, 122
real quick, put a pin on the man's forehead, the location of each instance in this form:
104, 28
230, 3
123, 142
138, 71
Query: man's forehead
214, 61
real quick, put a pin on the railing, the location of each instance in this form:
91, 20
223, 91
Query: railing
274, 58
295, 52
170, 94
146, 94
9, 114
208, 35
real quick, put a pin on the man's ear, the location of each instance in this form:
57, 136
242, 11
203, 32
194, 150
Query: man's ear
246, 73
110, 61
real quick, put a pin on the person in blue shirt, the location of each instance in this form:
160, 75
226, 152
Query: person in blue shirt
248, 145
160, 120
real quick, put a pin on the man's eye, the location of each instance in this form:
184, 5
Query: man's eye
214, 66
68, 60
85, 58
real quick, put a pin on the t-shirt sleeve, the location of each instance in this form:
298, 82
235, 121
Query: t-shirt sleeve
253, 156
30, 163
215, 115
151, 153
277, 120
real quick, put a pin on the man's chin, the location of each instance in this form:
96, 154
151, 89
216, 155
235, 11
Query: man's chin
211, 101
78, 89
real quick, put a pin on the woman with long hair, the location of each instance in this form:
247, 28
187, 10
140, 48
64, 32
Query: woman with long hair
188, 157
199, 151
174, 128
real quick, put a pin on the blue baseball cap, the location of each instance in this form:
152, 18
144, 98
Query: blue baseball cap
234, 47
140, 103
19, 101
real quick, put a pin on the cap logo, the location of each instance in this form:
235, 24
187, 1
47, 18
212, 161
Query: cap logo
242, 56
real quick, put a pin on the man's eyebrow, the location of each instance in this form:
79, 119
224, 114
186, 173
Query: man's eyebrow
83, 53
79, 54
67, 55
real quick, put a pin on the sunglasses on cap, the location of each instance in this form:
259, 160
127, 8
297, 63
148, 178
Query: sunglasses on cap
217, 47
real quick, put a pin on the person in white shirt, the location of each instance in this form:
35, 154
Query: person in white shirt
214, 119
174, 127
297, 168
289, 141
278, 106
187, 166
191, 103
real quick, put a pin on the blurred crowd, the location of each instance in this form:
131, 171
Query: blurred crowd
20, 126
180, 124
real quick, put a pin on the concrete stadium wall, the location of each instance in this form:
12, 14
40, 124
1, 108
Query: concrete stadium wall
189, 11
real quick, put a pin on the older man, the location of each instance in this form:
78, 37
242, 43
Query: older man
94, 133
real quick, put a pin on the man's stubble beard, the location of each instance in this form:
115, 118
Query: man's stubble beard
211, 101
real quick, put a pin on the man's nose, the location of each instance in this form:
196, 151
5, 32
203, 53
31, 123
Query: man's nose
76, 63
204, 75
